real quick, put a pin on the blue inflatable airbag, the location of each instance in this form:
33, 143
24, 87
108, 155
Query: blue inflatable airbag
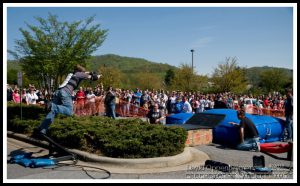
180, 118
269, 128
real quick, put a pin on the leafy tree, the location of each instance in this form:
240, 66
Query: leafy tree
170, 74
201, 84
149, 81
274, 80
49, 51
228, 77
184, 79
110, 76
12, 76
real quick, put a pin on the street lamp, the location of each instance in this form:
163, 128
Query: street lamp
192, 60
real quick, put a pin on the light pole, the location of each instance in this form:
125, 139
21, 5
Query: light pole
192, 60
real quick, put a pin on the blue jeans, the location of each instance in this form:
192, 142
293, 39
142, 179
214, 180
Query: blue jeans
248, 144
289, 128
61, 104
111, 111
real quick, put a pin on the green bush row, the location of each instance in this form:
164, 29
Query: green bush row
124, 138
31, 117
28, 111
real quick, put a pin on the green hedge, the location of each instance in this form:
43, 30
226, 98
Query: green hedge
31, 117
124, 138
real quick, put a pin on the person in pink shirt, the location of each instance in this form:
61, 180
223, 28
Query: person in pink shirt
16, 96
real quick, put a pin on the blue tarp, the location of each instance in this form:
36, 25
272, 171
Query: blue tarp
269, 128
180, 118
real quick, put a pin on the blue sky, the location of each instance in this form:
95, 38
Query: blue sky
257, 36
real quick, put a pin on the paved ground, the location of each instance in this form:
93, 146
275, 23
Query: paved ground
239, 161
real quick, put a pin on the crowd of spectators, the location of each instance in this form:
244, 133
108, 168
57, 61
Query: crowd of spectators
156, 104
29, 95
90, 101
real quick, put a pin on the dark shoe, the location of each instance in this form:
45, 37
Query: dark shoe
37, 134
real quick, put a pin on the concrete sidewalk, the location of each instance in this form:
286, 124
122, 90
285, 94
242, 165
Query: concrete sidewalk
189, 157
189, 166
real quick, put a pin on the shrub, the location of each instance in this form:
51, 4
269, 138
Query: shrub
124, 138
28, 111
31, 117
23, 126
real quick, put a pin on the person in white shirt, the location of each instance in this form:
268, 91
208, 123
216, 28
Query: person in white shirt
91, 100
202, 103
187, 108
31, 97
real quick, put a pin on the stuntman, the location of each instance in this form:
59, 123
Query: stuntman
62, 100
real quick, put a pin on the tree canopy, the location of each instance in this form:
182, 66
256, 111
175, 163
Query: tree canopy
49, 51
228, 77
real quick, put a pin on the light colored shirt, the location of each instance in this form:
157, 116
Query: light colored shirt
91, 97
31, 98
187, 108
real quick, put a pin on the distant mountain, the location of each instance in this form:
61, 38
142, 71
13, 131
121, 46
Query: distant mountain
128, 64
134, 65
254, 71
259, 69
131, 67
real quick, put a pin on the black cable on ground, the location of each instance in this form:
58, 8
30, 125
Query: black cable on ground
75, 160
74, 164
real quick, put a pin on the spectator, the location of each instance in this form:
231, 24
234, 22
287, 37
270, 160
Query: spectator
187, 108
137, 96
249, 138
80, 99
211, 103
24, 96
196, 105
9, 93
163, 106
91, 99
99, 93
16, 96
110, 103
208, 103
145, 98
219, 103
171, 103
266, 103
155, 116
281, 103
230, 102
202, 102
288, 105
123, 103
178, 105
31, 97
128, 97
42, 96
